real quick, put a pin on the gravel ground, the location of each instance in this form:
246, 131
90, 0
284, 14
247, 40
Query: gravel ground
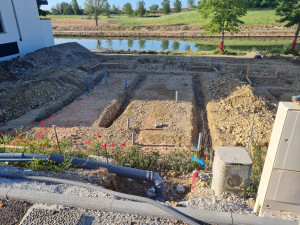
54, 214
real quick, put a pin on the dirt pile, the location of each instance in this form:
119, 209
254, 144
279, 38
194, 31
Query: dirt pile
230, 119
42, 77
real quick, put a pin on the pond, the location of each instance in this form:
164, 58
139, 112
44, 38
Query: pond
275, 45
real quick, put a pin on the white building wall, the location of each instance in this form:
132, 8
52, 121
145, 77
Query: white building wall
35, 33
10, 26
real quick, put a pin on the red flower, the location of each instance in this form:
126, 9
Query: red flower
40, 147
8, 144
124, 143
99, 136
206, 155
16, 136
0, 132
112, 145
13, 148
56, 147
30, 139
153, 152
253, 162
104, 145
3, 140
44, 143
8, 133
262, 146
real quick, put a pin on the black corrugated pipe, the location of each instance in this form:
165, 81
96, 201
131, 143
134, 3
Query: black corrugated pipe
17, 157
121, 171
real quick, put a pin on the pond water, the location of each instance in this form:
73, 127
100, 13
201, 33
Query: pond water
205, 44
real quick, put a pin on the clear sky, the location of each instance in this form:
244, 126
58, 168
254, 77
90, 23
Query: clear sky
117, 3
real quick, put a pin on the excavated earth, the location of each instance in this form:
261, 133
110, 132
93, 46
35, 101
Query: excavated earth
86, 27
65, 85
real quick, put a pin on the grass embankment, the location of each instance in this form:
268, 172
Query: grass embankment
253, 17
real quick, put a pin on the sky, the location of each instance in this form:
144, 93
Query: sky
116, 2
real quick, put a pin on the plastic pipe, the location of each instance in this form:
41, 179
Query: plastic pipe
133, 137
176, 96
199, 161
21, 157
121, 171
175, 213
199, 140
128, 123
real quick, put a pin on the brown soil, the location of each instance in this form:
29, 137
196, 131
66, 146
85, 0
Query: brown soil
86, 27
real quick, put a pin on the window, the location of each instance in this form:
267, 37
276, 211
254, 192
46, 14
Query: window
1, 25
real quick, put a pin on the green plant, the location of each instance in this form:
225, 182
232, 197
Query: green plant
258, 155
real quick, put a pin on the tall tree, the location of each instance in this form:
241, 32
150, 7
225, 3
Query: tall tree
153, 8
95, 8
127, 8
166, 6
223, 15
114, 9
177, 6
141, 8
289, 10
191, 3
75, 7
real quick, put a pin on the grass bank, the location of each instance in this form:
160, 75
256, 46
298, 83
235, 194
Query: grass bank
253, 17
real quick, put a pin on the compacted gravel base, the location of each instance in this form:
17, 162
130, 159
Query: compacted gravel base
53, 214
11, 212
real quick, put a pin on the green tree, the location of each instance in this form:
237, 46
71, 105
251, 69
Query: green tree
130, 43
177, 6
175, 45
153, 8
142, 44
114, 9
42, 12
289, 10
141, 8
164, 45
75, 7
191, 3
223, 15
262, 3
127, 8
166, 6
95, 8
66, 8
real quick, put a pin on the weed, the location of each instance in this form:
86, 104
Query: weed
258, 156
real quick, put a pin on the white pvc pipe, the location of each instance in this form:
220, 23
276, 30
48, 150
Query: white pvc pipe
133, 137
199, 140
176, 96
128, 122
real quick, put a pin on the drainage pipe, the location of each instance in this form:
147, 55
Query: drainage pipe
21, 157
175, 213
121, 171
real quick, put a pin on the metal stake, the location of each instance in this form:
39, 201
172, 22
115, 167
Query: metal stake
133, 137
176, 96
128, 122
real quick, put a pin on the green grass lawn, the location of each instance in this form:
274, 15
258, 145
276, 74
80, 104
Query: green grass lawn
253, 17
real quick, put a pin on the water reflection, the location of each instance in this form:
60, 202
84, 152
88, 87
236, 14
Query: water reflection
181, 45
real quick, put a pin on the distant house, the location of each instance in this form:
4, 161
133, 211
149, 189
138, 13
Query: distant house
21, 29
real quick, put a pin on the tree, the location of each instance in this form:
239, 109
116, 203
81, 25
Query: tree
153, 8
66, 8
166, 6
175, 45
141, 8
164, 45
223, 15
191, 4
114, 9
75, 7
127, 8
289, 10
42, 12
177, 6
262, 3
95, 8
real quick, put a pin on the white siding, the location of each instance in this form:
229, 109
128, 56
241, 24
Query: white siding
35, 33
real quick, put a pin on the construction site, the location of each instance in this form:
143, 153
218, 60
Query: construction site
158, 103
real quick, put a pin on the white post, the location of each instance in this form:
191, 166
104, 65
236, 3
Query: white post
133, 137
199, 140
127, 122
176, 96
